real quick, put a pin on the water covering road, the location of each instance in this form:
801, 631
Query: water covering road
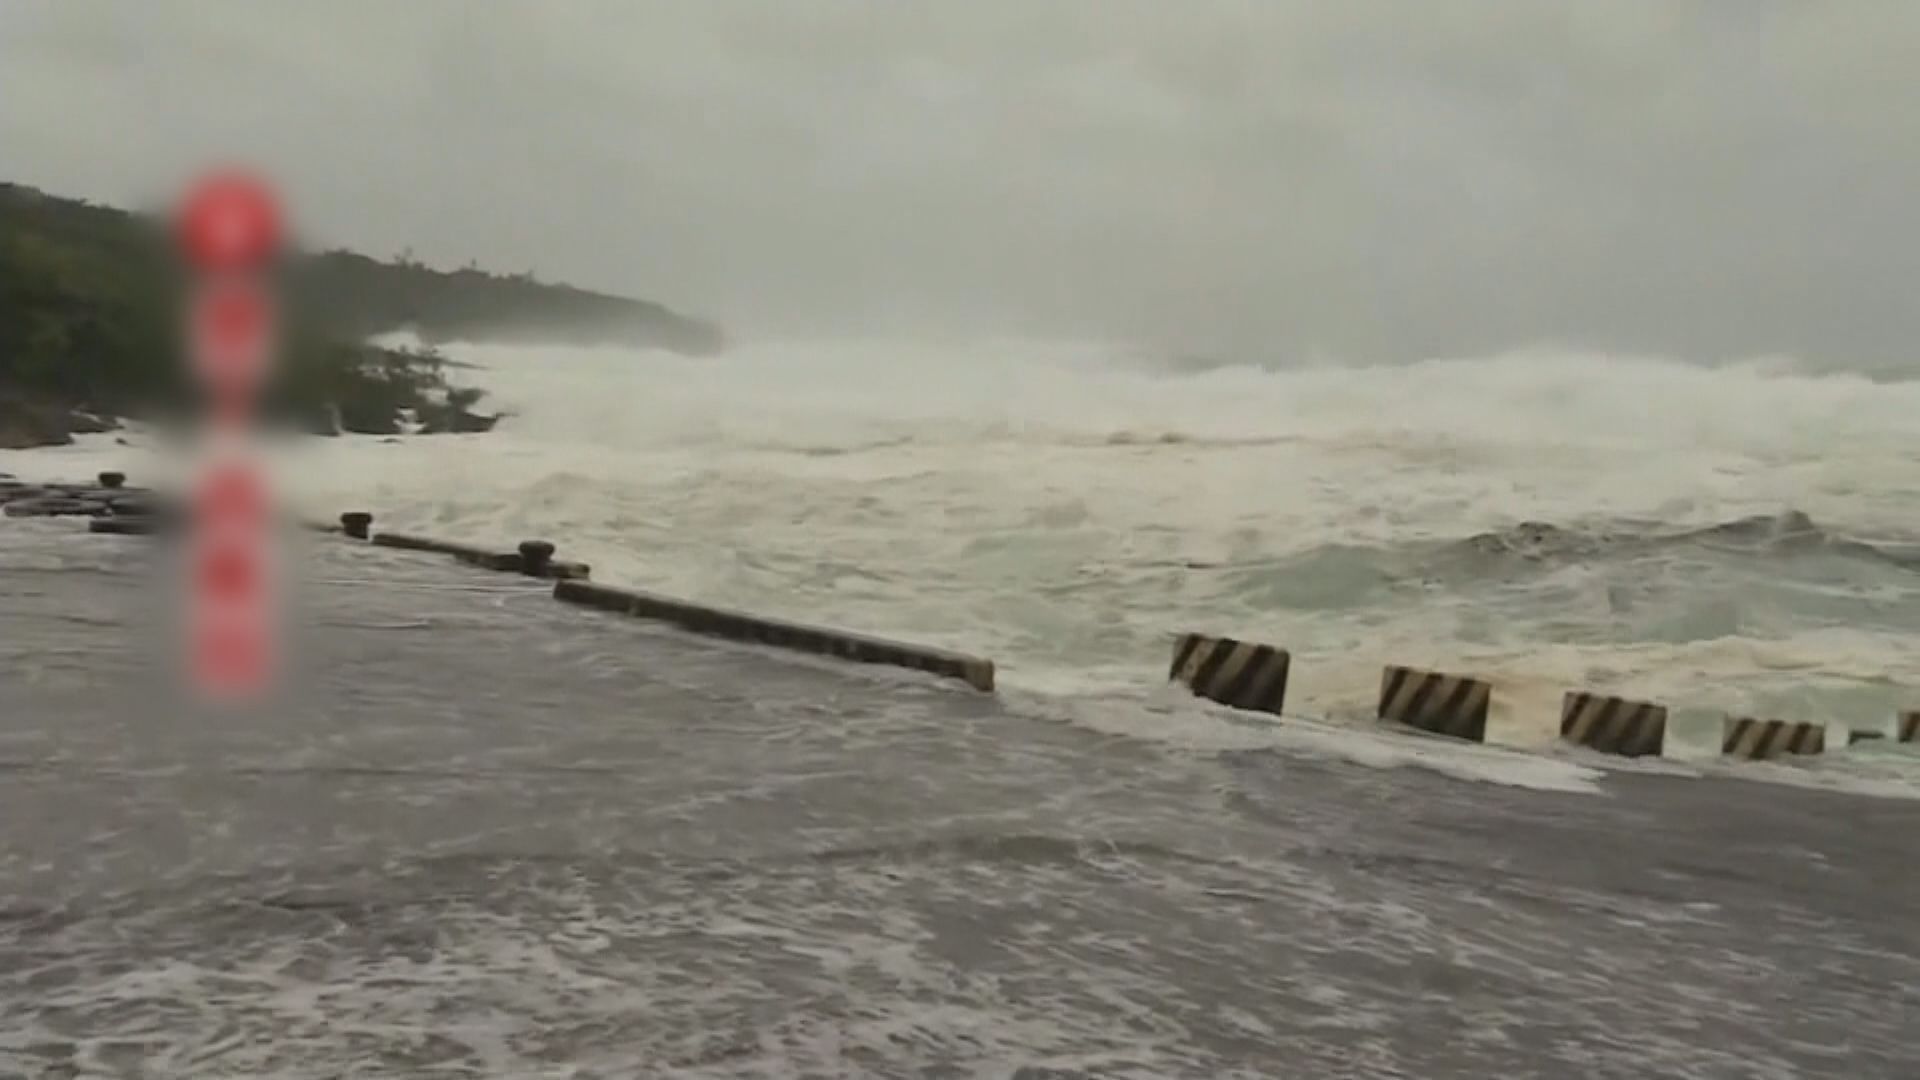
494, 835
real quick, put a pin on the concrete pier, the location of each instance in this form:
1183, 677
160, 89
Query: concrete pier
492, 835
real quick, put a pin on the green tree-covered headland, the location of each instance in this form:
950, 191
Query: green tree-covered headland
90, 331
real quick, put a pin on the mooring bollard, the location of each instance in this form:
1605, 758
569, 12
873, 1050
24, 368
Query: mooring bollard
535, 557
356, 523
111, 480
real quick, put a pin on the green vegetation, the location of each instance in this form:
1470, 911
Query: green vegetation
358, 296
88, 303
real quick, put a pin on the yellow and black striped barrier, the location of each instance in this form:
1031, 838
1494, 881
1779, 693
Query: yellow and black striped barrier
1241, 674
1613, 725
1758, 740
1433, 701
975, 671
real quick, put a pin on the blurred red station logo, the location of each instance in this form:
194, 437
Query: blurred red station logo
231, 329
230, 572
229, 220
230, 230
231, 494
232, 654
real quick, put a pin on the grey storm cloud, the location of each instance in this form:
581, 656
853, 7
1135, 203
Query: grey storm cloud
1362, 179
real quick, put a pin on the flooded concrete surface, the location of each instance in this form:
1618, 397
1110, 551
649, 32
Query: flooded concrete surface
488, 834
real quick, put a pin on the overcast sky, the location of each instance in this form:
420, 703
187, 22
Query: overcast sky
1365, 179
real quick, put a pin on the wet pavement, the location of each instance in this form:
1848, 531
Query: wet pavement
490, 834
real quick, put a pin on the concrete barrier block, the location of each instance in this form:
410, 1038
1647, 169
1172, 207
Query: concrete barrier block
410, 542
1240, 674
739, 626
1757, 740
504, 561
468, 553
1433, 701
55, 506
513, 562
1613, 725
145, 505
126, 526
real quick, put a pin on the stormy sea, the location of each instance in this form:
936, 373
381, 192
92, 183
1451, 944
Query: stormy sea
497, 836
1739, 537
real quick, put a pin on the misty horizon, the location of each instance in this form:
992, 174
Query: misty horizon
1706, 180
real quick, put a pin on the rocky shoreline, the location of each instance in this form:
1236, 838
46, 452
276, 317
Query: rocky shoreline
107, 498
29, 425
24, 424
88, 334
396, 393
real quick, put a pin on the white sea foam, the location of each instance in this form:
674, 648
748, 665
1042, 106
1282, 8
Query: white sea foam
1190, 723
1064, 508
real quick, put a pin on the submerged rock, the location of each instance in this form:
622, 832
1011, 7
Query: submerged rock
461, 422
81, 422
26, 424
453, 417
1536, 540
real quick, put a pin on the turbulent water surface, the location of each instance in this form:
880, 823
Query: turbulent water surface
487, 834
1735, 537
